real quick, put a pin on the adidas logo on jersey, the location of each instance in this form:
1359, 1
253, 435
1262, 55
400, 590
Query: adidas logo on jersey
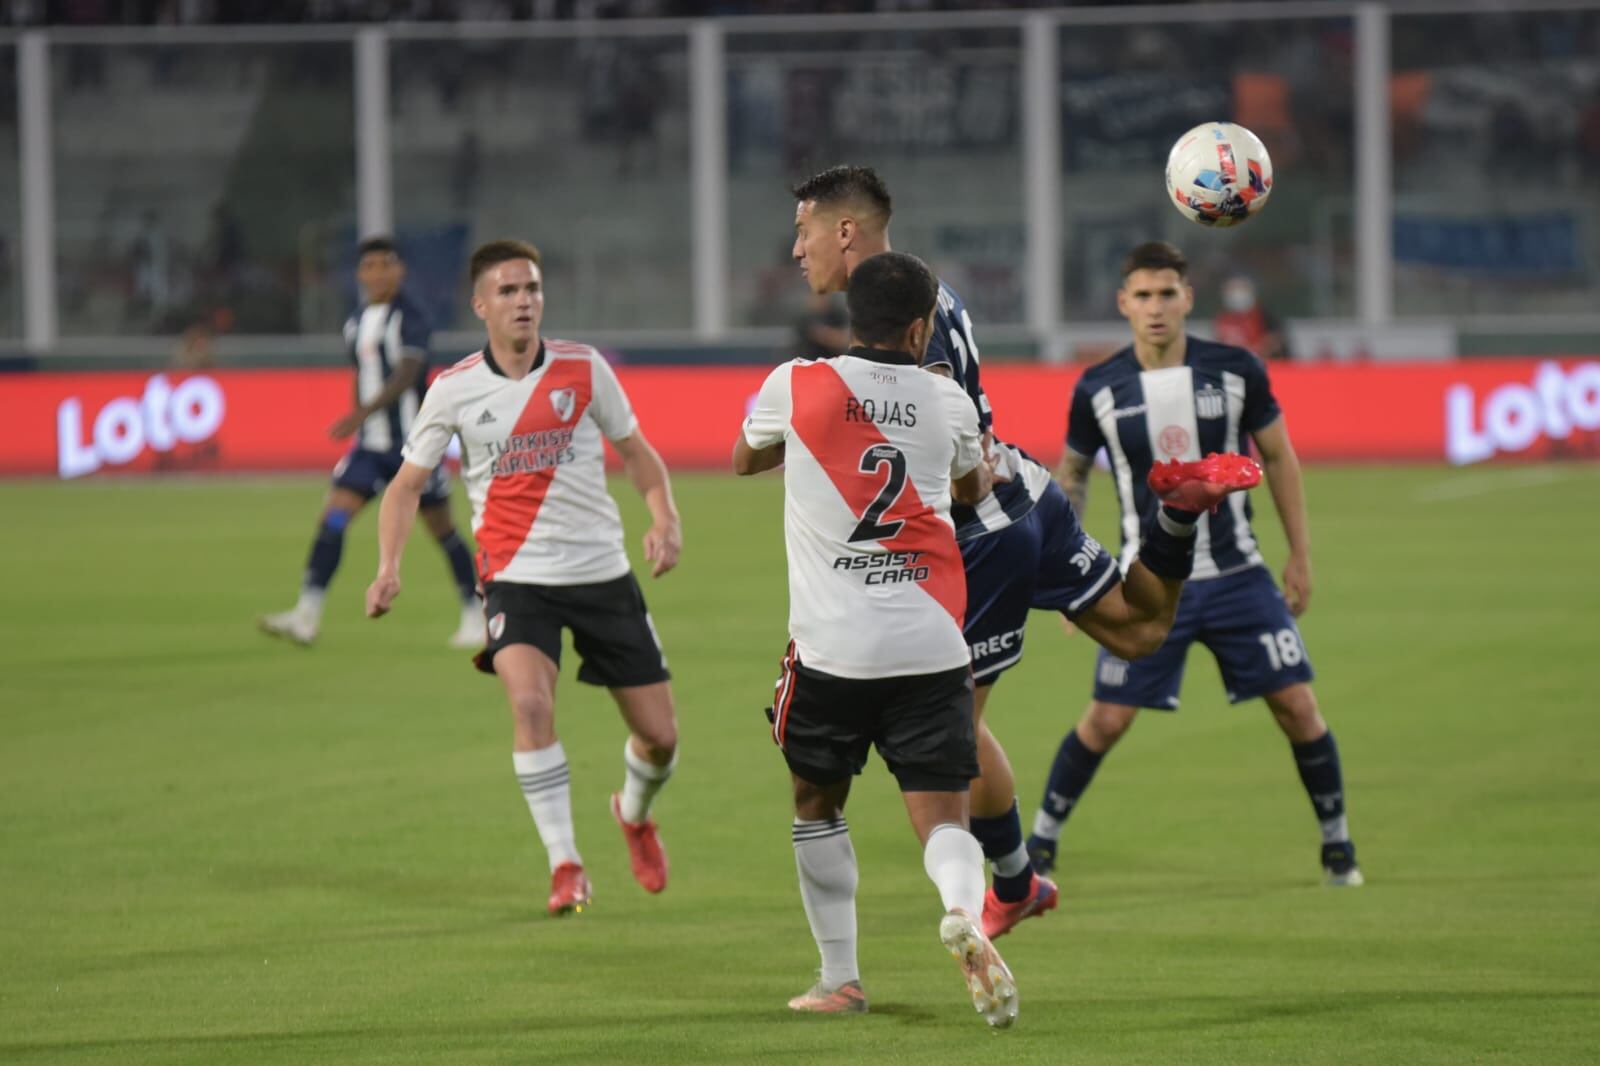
485, 418
1210, 403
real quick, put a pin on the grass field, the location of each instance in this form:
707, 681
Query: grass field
215, 848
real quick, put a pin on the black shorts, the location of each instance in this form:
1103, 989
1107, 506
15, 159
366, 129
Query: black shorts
611, 628
920, 723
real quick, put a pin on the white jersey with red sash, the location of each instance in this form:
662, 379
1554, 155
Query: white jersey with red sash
533, 462
876, 585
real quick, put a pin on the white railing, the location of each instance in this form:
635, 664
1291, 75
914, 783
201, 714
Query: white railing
707, 45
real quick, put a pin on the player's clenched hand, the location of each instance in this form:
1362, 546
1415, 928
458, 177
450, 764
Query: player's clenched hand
1297, 584
346, 425
992, 459
381, 595
662, 545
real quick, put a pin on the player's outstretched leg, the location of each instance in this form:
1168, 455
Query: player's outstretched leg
1201, 484
302, 622
954, 862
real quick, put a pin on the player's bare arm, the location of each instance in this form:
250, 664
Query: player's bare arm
1281, 467
748, 460
399, 383
395, 516
1072, 474
663, 541
970, 488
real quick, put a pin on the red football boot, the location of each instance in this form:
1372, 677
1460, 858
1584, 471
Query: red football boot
999, 917
645, 853
1203, 483
569, 890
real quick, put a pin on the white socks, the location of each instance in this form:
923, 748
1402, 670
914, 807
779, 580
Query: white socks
641, 783
827, 865
953, 859
544, 780
309, 605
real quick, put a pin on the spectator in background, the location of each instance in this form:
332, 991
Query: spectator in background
823, 329
1244, 323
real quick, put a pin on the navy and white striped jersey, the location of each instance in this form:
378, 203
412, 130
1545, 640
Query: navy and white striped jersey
378, 337
952, 346
1140, 417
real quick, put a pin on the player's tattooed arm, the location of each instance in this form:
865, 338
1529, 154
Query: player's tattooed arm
404, 377
1072, 474
1282, 469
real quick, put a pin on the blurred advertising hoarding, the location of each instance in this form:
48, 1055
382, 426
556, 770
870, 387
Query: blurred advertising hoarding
76, 425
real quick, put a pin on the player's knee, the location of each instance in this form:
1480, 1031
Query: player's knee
659, 741
1135, 642
335, 519
533, 709
1295, 709
1105, 723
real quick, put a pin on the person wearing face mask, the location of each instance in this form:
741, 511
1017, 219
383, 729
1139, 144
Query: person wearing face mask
1244, 323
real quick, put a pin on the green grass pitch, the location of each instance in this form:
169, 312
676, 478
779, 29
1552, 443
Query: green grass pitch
215, 848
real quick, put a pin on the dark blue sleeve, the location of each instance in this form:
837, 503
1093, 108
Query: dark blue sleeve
939, 350
414, 329
1260, 406
1083, 429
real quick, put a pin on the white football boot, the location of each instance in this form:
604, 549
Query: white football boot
994, 990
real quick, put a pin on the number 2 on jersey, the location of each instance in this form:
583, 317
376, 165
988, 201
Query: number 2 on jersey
873, 460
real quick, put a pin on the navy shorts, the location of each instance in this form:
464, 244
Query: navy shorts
1242, 619
1044, 561
365, 473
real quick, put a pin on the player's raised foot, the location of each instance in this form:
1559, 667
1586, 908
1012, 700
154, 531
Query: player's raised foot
472, 633
1041, 854
1201, 484
645, 853
994, 991
293, 624
569, 890
848, 998
1339, 869
1000, 917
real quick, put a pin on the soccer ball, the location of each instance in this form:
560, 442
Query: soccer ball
1219, 174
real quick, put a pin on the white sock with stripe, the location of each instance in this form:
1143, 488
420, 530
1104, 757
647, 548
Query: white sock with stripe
827, 863
953, 859
642, 780
546, 786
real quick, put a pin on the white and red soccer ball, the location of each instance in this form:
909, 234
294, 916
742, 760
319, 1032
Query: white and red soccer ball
1219, 174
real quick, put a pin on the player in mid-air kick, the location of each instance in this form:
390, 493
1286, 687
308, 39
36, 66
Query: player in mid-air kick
873, 449
1021, 546
1169, 396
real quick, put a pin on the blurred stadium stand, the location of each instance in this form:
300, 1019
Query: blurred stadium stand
207, 181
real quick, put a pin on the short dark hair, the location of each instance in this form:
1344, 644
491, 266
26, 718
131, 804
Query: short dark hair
841, 185
488, 256
1155, 255
887, 293
377, 244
